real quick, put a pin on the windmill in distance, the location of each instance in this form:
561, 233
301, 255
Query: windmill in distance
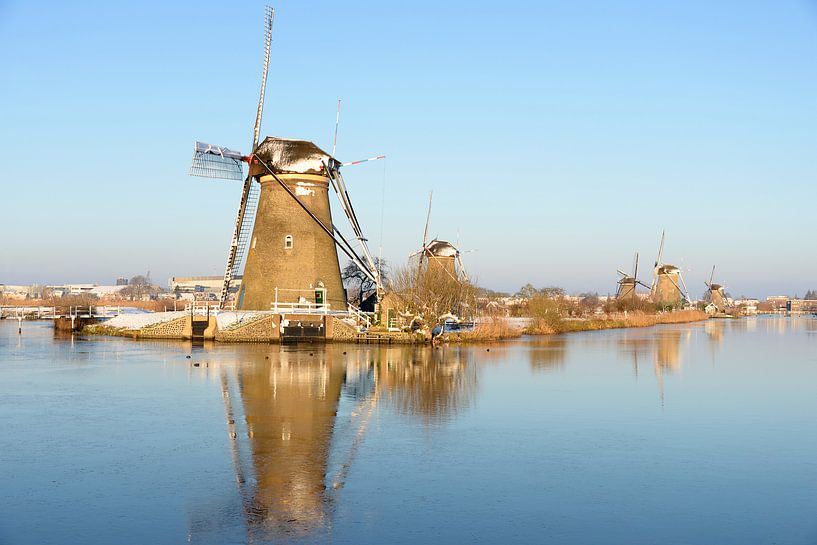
438, 253
667, 282
715, 293
627, 283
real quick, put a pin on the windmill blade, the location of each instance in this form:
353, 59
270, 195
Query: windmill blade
657, 262
686, 291
335, 139
463, 272
269, 16
635, 268
622, 273
211, 161
346, 204
247, 224
711, 276
642, 283
428, 219
363, 160
660, 249
229, 270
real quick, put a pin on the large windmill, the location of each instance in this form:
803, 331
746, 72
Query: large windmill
715, 293
667, 282
628, 283
438, 254
284, 222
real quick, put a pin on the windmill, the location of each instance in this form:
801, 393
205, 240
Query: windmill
438, 253
715, 293
284, 225
627, 283
667, 282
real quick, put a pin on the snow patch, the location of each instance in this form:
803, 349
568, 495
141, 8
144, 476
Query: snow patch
138, 321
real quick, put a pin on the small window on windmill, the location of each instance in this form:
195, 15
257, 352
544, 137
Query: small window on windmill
288, 242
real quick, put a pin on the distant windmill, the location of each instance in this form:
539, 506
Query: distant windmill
715, 292
667, 282
284, 210
438, 253
627, 283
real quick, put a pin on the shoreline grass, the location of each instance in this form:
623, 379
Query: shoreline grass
498, 329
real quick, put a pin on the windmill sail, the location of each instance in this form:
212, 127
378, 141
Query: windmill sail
211, 161
233, 261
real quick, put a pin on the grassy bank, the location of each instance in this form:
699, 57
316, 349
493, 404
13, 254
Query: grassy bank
550, 325
498, 329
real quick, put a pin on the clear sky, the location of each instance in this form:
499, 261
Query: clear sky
558, 137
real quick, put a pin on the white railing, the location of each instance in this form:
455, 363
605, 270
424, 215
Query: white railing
307, 307
201, 308
37, 312
361, 316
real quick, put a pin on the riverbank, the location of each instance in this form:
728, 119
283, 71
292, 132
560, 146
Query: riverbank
550, 326
499, 329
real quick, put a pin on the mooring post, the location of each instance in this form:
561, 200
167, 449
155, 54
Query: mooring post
19, 324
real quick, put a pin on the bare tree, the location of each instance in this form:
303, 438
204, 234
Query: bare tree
358, 285
434, 292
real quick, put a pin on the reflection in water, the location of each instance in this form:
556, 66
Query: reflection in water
633, 346
714, 331
289, 406
547, 353
290, 399
432, 383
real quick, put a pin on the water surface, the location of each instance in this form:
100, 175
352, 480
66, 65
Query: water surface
699, 433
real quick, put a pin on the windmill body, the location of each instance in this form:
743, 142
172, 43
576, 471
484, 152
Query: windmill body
290, 258
717, 296
667, 290
627, 284
438, 254
626, 288
715, 293
668, 287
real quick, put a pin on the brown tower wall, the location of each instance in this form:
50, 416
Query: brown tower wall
312, 257
626, 290
666, 291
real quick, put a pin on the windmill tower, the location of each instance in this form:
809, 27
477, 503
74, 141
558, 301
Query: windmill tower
438, 254
667, 282
284, 223
715, 293
627, 283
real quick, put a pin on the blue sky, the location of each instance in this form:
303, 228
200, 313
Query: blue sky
558, 137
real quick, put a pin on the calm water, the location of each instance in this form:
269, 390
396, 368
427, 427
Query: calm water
693, 434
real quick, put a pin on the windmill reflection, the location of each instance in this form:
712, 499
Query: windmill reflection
662, 345
291, 452
548, 353
633, 347
289, 406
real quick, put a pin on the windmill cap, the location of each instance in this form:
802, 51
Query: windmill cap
291, 156
668, 269
441, 248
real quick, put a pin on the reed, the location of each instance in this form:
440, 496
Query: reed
550, 326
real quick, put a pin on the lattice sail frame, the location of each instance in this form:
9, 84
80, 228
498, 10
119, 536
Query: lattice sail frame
211, 161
